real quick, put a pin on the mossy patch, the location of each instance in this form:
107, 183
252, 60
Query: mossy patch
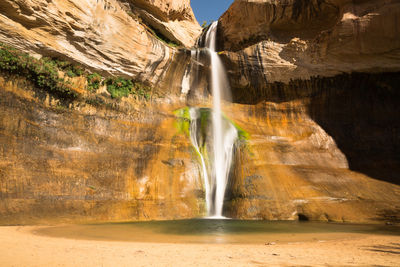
184, 120
242, 134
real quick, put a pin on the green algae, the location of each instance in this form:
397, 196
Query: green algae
184, 120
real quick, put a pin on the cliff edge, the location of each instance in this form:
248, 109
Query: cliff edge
294, 39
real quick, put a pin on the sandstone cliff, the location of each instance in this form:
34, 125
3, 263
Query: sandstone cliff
174, 19
125, 159
109, 36
321, 147
284, 40
91, 161
294, 54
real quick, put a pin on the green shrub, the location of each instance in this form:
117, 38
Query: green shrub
141, 90
94, 81
42, 72
119, 87
70, 69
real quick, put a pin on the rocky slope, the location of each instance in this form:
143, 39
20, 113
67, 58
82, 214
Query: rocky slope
109, 36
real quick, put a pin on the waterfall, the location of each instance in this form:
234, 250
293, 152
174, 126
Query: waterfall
186, 77
215, 165
223, 138
194, 129
216, 153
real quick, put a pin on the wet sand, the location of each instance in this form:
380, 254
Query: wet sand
19, 246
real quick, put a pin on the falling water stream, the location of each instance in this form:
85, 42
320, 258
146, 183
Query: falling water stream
216, 164
223, 138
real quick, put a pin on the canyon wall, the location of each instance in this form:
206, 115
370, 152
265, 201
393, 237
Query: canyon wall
324, 149
111, 161
127, 159
315, 84
95, 158
285, 40
333, 63
107, 36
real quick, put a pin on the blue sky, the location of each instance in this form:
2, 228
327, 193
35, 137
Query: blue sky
209, 9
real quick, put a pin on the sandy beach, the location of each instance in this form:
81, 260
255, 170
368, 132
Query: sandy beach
21, 247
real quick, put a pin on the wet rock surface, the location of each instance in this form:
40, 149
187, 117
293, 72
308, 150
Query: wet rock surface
330, 154
82, 163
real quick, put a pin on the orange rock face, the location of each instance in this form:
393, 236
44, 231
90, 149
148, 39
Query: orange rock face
321, 147
127, 161
91, 164
321, 157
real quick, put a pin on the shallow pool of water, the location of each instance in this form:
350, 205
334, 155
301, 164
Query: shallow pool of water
217, 231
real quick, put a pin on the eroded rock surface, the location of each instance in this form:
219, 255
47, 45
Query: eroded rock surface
325, 149
320, 148
126, 160
284, 40
107, 36
173, 18
289, 59
106, 162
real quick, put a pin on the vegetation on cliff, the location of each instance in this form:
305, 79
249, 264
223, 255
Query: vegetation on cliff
119, 87
156, 33
55, 76
42, 72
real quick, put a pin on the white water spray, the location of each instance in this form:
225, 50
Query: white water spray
194, 116
216, 157
223, 138
186, 77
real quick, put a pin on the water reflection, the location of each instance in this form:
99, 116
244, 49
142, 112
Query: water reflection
217, 231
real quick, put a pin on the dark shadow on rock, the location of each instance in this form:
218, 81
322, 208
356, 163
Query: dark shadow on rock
302, 217
360, 111
362, 114
389, 216
393, 248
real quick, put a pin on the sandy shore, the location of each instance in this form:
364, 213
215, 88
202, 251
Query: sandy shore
20, 247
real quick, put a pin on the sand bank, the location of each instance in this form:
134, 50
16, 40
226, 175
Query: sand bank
19, 246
